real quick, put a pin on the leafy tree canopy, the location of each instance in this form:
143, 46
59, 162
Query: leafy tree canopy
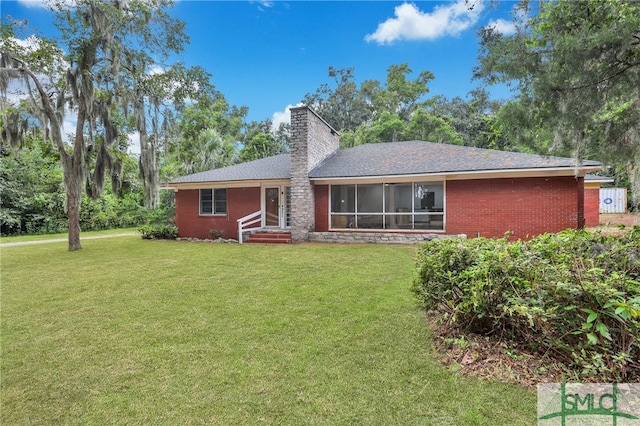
400, 110
261, 145
98, 68
346, 107
576, 66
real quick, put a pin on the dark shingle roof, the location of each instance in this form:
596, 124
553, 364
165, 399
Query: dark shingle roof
388, 159
276, 167
418, 157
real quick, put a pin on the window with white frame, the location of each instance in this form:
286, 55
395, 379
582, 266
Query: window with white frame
393, 206
213, 201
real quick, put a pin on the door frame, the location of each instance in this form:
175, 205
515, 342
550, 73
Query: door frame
282, 204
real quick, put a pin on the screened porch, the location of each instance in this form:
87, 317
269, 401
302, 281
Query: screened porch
388, 206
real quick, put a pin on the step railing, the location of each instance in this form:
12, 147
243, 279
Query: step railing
244, 223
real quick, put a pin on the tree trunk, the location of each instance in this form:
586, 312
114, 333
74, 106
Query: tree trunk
74, 179
147, 163
149, 172
73, 212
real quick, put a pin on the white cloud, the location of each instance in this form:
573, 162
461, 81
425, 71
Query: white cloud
156, 70
44, 4
412, 24
30, 43
262, 4
282, 116
503, 27
33, 3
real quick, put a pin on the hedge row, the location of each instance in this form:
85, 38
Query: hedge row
572, 296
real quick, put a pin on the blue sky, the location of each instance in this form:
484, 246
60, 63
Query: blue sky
268, 54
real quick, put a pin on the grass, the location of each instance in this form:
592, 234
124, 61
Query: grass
128, 331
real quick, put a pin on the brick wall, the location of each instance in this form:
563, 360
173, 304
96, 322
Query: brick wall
526, 206
322, 208
580, 201
240, 202
592, 206
312, 140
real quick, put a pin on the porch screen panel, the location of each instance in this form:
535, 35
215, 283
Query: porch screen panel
429, 205
430, 221
343, 200
398, 205
369, 200
429, 196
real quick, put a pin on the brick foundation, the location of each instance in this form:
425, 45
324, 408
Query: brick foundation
376, 237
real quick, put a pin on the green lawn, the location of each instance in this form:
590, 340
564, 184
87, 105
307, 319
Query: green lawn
128, 331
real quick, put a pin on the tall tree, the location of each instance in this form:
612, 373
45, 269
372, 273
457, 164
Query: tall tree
157, 95
577, 68
262, 140
108, 46
208, 150
212, 111
344, 106
399, 95
31, 192
474, 120
261, 145
372, 112
283, 135
207, 137
428, 127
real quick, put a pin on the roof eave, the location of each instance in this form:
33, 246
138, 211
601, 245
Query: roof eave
471, 174
254, 183
603, 180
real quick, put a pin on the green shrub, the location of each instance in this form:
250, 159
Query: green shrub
574, 296
158, 232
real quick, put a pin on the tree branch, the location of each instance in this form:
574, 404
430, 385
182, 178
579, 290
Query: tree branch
56, 133
595, 83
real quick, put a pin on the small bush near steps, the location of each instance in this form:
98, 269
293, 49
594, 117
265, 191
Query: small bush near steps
572, 298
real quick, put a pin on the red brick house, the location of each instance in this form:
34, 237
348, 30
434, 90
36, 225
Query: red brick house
399, 191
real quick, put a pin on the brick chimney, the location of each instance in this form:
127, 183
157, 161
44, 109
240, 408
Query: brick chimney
312, 141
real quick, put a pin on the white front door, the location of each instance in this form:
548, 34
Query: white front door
277, 206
